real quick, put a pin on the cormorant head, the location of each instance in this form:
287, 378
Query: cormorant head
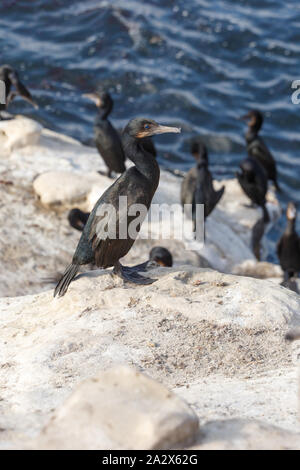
291, 212
255, 119
141, 128
161, 256
199, 151
101, 98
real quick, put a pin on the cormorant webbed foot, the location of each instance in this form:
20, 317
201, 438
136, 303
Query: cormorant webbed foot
130, 274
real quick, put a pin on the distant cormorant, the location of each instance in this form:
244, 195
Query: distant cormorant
77, 219
197, 186
11, 79
256, 147
102, 241
107, 139
253, 180
288, 248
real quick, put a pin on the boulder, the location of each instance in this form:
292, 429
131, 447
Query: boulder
120, 409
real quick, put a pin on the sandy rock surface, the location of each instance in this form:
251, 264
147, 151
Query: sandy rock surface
208, 336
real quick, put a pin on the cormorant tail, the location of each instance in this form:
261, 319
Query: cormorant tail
66, 279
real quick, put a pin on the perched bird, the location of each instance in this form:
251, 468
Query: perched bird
188, 185
253, 181
104, 241
197, 186
288, 248
77, 218
107, 139
161, 256
11, 79
256, 147
158, 255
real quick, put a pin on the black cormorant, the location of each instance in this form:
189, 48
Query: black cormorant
107, 139
77, 218
253, 180
11, 79
102, 241
288, 248
256, 147
197, 186
188, 185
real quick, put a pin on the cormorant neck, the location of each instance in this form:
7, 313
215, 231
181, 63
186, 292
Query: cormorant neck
144, 161
251, 134
290, 226
105, 111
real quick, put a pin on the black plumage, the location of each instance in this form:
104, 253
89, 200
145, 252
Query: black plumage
253, 180
257, 148
101, 241
197, 186
77, 218
13, 86
288, 247
107, 139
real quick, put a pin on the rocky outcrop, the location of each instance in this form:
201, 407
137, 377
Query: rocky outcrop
209, 337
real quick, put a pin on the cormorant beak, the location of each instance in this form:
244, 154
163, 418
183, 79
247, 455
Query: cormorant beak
164, 130
93, 97
244, 117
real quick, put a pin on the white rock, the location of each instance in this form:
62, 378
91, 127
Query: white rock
120, 409
18, 132
61, 189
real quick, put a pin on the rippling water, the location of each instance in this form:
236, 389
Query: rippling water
196, 63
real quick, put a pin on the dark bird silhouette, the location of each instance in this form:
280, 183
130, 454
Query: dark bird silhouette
288, 248
107, 139
188, 185
77, 219
13, 87
254, 183
197, 186
253, 180
256, 147
161, 256
103, 241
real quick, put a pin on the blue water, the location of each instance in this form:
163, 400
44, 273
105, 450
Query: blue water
198, 64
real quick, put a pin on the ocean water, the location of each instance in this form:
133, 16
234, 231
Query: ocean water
199, 64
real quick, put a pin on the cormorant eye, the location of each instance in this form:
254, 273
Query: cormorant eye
146, 126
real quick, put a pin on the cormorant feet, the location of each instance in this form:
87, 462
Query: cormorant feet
130, 274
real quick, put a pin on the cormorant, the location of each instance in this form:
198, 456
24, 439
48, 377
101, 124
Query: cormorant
288, 248
256, 147
253, 180
11, 78
161, 256
188, 185
78, 218
107, 139
197, 186
103, 240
